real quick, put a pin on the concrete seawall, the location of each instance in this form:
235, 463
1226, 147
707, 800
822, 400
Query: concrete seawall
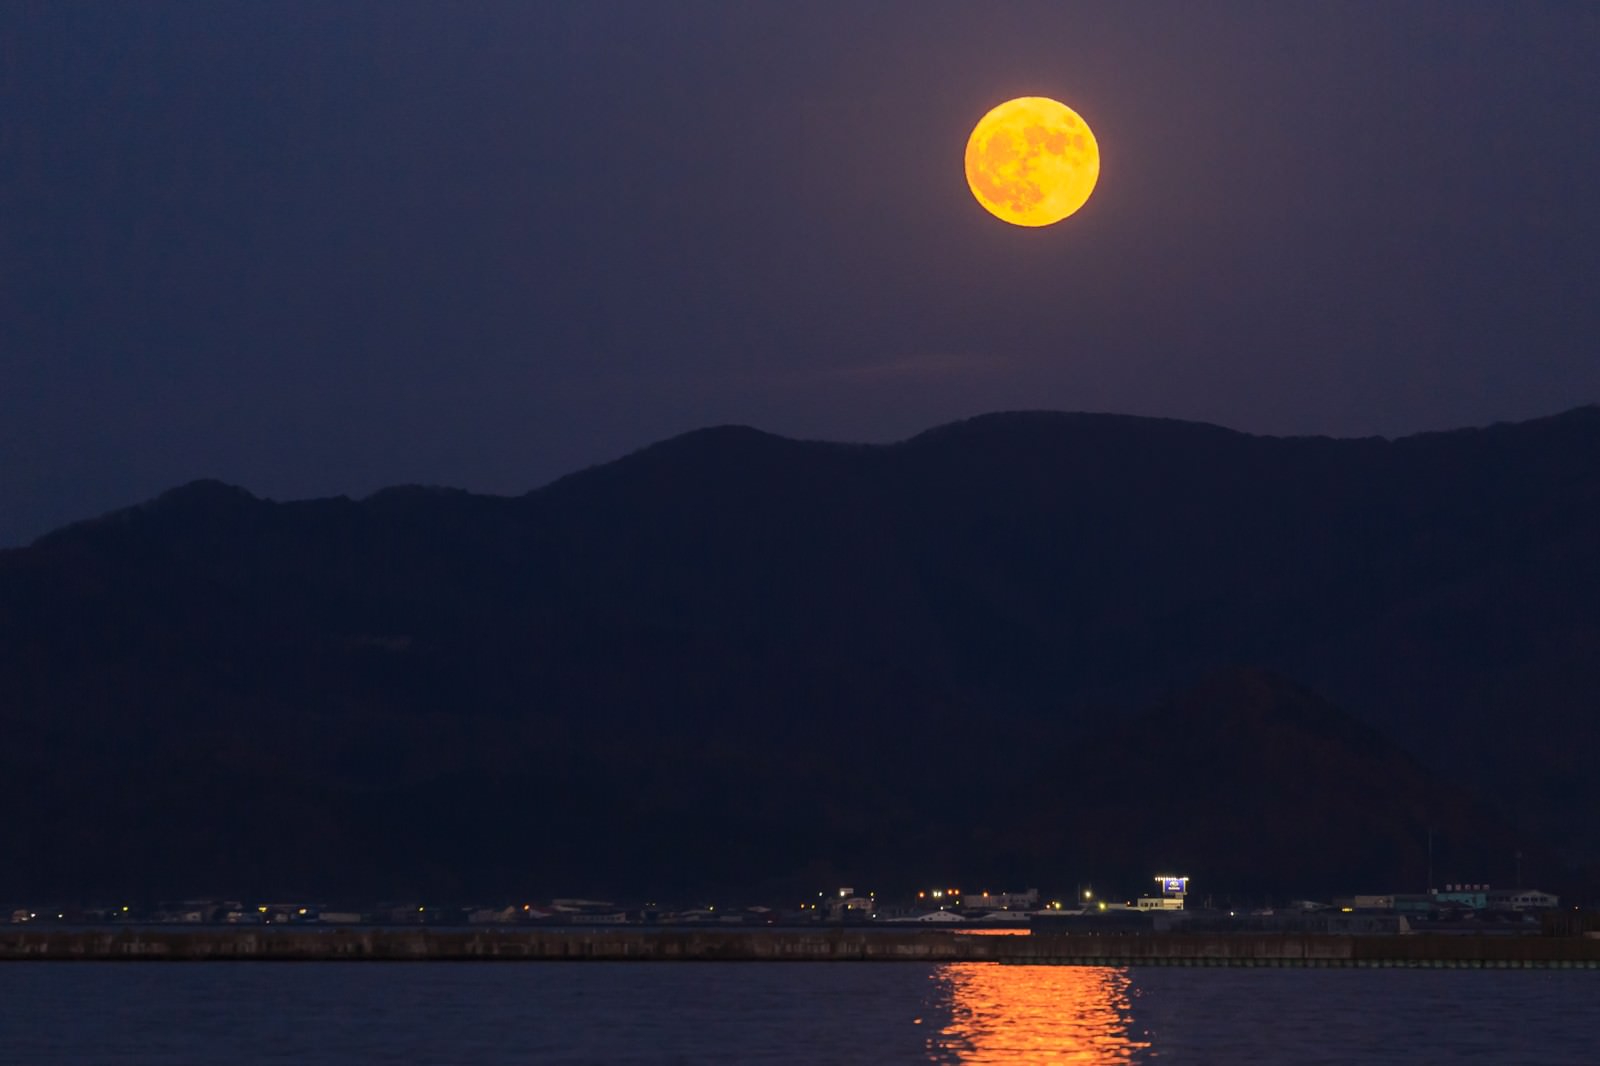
789, 945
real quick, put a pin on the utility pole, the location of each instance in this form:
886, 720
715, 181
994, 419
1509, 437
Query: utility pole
1428, 888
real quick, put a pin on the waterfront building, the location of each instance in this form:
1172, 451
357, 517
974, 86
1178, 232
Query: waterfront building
1523, 899
1173, 892
1026, 900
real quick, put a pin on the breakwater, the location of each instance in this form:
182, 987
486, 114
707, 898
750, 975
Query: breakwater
791, 945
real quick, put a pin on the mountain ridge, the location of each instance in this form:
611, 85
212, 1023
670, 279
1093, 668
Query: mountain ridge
1574, 416
729, 620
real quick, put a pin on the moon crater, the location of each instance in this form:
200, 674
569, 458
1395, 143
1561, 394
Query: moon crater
1032, 161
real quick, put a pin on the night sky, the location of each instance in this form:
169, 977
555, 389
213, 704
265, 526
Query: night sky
319, 248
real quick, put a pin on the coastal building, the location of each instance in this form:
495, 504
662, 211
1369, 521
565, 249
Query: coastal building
1473, 896
1173, 892
495, 915
848, 904
1383, 901
1523, 899
1159, 903
1414, 903
1026, 900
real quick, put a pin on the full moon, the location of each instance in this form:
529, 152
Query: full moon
1032, 161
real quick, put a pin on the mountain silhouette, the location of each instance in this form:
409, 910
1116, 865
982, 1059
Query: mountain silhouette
1254, 780
735, 660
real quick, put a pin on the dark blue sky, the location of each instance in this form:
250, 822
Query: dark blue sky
319, 248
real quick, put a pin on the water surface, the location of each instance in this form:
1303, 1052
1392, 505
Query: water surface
813, 1013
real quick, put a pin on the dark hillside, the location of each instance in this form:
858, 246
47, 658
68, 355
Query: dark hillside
1246, 779
733, 658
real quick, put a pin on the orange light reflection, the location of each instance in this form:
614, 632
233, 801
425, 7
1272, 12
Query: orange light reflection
1030, 1014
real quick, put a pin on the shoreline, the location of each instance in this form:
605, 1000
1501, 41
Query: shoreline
787, 945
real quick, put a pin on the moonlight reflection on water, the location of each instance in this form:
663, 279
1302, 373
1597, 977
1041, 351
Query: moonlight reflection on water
1028, 1014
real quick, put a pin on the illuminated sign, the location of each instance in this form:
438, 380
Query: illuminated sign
1174, 886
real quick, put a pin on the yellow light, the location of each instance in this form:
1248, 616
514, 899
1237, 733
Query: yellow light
263, 909
1032, 161
302, 910
125, 909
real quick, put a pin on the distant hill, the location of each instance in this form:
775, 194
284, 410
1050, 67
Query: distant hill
1253, 780
737, 660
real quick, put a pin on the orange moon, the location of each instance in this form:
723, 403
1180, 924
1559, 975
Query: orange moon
1032, 161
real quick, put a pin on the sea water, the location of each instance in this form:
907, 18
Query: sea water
813, 1013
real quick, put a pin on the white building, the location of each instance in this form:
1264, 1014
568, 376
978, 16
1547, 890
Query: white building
1523, 899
